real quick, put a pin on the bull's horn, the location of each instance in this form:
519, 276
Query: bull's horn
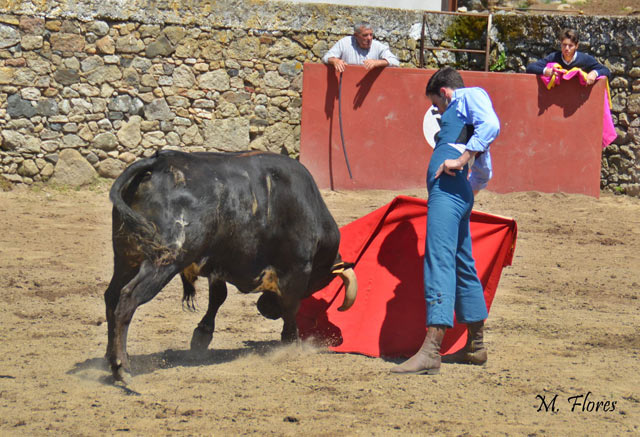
348, 276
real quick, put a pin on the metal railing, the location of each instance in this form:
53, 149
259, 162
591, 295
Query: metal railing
488, 41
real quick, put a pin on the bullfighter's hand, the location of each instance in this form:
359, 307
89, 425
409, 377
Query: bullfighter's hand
591, 77
449, 166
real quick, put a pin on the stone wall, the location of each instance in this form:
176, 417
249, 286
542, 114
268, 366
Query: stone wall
87, 87
518, 39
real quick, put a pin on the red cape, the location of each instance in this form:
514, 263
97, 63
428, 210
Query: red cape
387, 247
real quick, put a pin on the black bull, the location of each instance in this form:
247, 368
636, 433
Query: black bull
255, 220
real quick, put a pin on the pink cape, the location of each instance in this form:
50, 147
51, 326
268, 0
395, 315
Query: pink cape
387, 246
559, 74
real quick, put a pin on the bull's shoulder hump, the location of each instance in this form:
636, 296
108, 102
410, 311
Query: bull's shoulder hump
276, 160
255, 163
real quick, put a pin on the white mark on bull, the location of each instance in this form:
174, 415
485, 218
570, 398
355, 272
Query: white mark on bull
268, 196
181, 233
178, 176
254, 205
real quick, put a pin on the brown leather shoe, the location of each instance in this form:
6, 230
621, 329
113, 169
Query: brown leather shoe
427, 359
474, 352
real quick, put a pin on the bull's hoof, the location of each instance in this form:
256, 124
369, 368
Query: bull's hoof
269, 306
120, 372
289, 336
200, 340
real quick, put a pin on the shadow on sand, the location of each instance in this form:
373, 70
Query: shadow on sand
170, 358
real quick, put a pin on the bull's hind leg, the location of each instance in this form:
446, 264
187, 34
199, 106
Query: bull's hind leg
203, 334
141, 289
122, 274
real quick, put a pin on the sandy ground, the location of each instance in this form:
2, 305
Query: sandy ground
564, 324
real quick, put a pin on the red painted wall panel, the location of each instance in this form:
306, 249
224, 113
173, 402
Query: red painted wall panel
550, 140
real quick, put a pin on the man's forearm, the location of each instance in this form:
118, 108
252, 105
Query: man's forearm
450, 166
375, 63
465, 157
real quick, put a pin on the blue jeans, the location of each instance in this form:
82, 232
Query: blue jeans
450, 278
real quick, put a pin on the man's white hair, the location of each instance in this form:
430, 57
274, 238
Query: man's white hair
357, 28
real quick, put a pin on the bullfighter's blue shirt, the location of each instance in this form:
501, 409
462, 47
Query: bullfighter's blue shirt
474, 107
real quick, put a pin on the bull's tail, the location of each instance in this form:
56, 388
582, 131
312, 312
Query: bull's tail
143, 229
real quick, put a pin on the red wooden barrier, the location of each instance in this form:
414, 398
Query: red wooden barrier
550, 140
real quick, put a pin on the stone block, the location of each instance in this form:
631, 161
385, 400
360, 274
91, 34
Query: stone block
111, 168
72, 169
226, 134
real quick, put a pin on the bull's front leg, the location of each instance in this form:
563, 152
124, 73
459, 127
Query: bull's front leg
203, 334
290, 306
292, 287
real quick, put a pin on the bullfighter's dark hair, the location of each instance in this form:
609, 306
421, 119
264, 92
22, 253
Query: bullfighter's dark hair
445, 77
569, 34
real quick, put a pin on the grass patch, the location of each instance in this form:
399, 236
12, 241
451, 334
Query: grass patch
98, 184
5, 184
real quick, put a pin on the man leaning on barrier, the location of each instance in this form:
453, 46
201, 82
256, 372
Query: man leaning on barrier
360, 49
